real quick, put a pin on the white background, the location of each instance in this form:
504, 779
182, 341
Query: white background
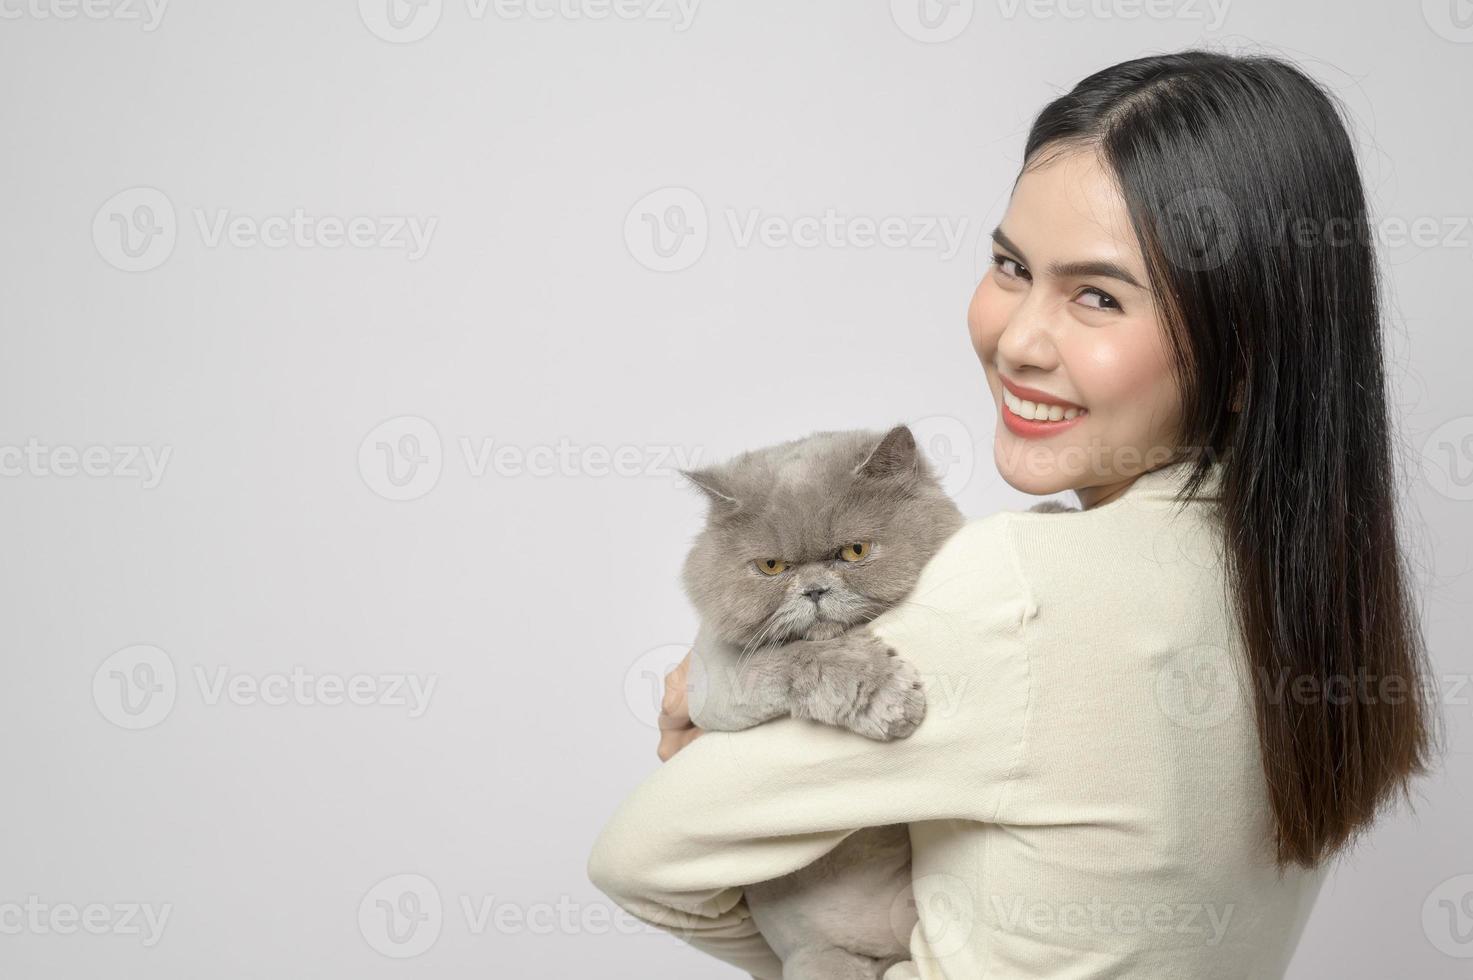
543, 608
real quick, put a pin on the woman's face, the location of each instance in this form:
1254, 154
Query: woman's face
1065, 324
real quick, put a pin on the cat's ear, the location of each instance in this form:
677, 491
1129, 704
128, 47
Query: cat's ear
713, 484
894, 455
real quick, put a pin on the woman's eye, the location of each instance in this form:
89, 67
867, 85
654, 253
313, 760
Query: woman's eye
1102, 300
771, 566
854, 552
1010, 267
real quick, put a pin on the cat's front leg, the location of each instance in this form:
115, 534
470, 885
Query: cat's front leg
852, 681
855, 681
728, 689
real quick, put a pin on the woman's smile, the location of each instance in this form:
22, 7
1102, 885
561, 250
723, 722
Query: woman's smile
1034, 414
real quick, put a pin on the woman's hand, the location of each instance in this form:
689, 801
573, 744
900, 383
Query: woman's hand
676, 729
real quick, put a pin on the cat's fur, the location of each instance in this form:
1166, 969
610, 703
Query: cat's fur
776, 645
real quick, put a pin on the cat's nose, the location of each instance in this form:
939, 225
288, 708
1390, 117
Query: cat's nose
815, 593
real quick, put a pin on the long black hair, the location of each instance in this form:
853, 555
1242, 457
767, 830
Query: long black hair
1243, 189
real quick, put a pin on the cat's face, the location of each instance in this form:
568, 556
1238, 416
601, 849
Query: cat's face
810, 537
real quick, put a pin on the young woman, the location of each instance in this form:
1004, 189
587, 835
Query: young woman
1169, 709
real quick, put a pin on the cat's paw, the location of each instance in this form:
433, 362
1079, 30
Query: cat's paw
857, 682
897, 705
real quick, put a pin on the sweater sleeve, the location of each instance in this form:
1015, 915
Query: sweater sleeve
735, 808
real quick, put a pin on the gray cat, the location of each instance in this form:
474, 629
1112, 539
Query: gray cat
805, 543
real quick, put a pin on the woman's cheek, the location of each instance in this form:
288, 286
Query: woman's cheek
1104, 373
1123, 375
987, 317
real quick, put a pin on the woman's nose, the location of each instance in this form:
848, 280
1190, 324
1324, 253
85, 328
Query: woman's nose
1027, 340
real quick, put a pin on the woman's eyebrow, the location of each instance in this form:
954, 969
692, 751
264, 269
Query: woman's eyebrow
1072, 270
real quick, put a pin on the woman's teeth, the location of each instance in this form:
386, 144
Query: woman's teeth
1037, 411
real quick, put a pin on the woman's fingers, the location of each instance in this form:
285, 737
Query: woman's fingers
676, 730
673, 741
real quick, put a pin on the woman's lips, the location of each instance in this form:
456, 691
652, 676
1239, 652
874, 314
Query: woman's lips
1034, 395
1016, 397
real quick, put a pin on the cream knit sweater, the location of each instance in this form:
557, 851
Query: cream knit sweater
1085, 795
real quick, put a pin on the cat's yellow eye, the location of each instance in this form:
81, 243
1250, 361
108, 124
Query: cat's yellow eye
771, 566
854, 552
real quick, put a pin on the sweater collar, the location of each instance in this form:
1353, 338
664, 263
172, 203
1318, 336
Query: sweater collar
1164, 482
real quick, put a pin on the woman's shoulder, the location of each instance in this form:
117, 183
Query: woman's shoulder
1141, 552
978, 568
980, 542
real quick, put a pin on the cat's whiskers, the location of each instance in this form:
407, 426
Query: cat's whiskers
753, 645
779, 628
